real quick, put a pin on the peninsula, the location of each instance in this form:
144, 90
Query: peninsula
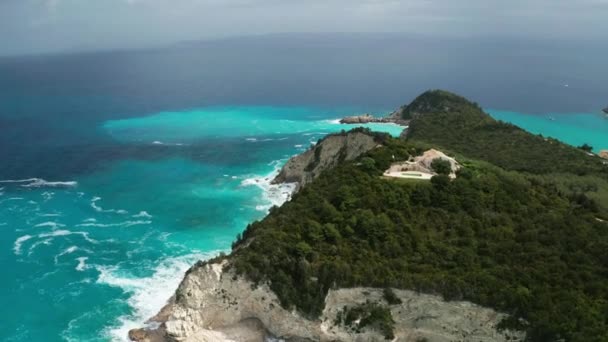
506, 241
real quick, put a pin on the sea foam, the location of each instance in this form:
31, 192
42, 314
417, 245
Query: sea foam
273, 194
39, 182
147, 295
19, 242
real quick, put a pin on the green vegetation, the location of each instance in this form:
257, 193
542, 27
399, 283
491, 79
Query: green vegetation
438, 101
518, 230
586, 147
390, 296
369, 315
441, 166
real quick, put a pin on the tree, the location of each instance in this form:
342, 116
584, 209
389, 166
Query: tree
441, 166
586, 147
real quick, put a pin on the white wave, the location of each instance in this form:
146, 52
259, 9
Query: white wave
273, 194
19, 242
81, 263
148, 294
97, 208
39, 182
298, 146
48, 195
38, 243
49, 215
120, 224
50, 224
333, 122
142, 214
64, 232
251, 139
157, 142
68, 250
90, 220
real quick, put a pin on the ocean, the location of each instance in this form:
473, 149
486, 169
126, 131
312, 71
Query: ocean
118, 170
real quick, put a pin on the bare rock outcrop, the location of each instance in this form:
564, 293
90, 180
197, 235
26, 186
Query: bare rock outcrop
214, 304
330, 151
603, 154
423, 163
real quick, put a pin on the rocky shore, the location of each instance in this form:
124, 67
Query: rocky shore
395, 117
304, 168
605, 110
214, 304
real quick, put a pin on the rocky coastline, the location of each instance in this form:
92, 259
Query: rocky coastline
214, 303
605, 110
394, 117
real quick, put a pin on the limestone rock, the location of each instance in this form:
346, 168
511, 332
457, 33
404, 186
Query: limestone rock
214, 304
305, 167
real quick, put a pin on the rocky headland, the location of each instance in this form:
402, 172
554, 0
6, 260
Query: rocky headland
327, 153
394, 117
334, 262
605, 110
215, 303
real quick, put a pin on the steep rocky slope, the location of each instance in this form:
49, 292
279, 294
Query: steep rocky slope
330, 151
214, 304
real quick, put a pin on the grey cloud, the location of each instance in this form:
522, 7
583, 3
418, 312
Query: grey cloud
29, 26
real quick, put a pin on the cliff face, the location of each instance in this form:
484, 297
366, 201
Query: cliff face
304, 168
214, 304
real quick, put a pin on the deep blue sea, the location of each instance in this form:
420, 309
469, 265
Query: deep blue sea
118, 170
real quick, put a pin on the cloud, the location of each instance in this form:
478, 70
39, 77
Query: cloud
51, 25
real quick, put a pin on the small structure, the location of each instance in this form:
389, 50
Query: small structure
420, 167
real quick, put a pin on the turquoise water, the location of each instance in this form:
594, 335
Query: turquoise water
573, 128
92, 256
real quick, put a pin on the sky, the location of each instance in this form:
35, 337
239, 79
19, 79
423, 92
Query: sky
41, 26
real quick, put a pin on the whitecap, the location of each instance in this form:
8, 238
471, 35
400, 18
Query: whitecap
68, 250
50, 224
147, 295
120, 224
19, 242
81, 263
39, 182
97, 208
273, 194
38, 243
49, 215
143, 214
48, 195
251, 139
57, 233
157, 142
